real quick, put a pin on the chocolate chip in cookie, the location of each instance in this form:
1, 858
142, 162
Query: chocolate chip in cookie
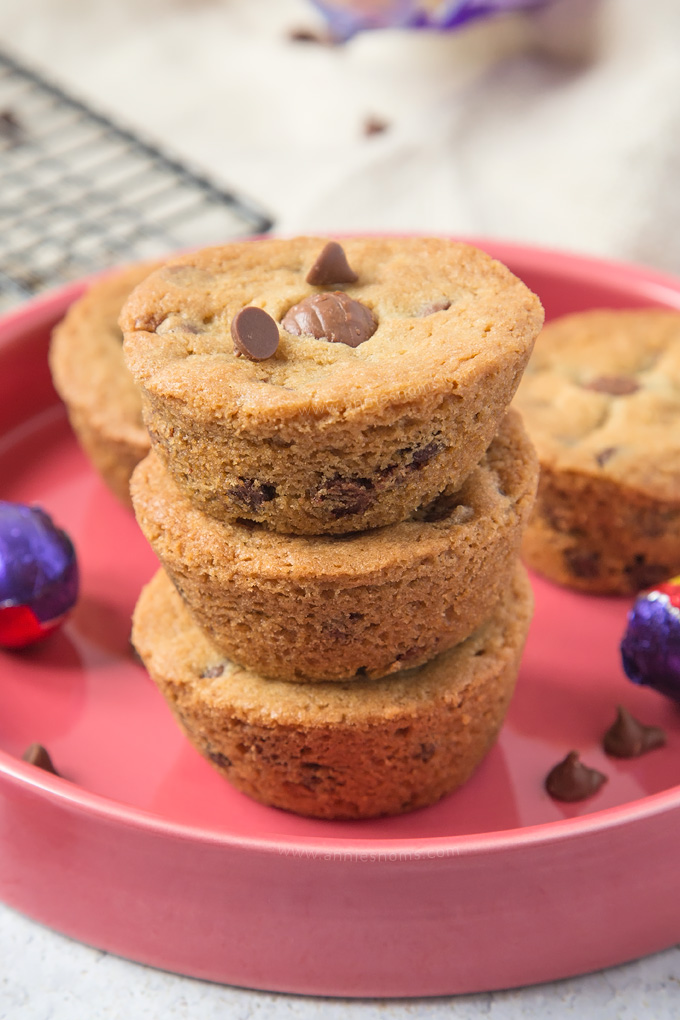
331, 267
255, 334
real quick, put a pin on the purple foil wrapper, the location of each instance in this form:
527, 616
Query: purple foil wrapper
38, 566
351, 16
650, 649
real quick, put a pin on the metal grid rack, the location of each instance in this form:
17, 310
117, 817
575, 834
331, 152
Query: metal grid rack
80, 193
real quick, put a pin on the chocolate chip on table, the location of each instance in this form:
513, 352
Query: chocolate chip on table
331, 316
311, 35
255, 334
375, 126
614, 385
627, 737
425, 454
11, 127
331, 267
571, 780
37, 755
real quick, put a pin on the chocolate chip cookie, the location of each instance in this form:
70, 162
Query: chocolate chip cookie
89, 373
357, 750
313, 608
601, 401
392, 372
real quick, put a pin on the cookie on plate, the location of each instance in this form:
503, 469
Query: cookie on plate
356, 750
601, 401
355, 399
89, 374
333, 607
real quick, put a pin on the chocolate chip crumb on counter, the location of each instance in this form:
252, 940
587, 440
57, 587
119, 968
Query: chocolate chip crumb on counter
356, 750
601, 401
392, 373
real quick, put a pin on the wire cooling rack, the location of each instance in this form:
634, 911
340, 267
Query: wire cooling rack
79, 193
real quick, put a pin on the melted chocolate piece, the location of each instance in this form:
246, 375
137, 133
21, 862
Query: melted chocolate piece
343, 497
331, 267
255, 334
627, 737
614, 385
37, 755
427, 751
571, 780
252, 494
331, 316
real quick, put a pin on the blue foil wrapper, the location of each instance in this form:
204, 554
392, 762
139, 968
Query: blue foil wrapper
346, 17
650, 649
38, 566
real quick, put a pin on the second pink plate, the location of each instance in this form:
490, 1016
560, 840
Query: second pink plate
143, 850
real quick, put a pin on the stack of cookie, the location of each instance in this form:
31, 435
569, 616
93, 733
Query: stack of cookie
337, 494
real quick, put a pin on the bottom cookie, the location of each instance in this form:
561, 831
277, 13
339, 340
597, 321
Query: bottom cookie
335, 750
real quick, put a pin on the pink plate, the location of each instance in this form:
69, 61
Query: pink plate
144, 851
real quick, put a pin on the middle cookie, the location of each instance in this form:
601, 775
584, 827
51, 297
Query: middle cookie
329, 607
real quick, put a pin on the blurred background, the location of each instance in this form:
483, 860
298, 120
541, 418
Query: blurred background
557, 125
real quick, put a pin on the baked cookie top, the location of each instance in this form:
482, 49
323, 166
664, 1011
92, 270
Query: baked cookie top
601, 396
86, 356
446, 314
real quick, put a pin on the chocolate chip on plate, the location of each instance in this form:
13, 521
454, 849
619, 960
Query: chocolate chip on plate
331, 267
627, 737
614, 385
255, 334
571, 780
37, 755
331, 316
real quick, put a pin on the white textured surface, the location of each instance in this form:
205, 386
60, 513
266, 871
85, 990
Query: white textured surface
495, 132
47, 977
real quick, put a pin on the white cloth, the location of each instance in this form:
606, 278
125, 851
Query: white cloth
560, 129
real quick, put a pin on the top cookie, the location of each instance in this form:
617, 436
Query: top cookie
397, 395
601, 396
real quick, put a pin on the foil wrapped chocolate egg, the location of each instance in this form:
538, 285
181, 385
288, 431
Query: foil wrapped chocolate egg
650, 649
38, 575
